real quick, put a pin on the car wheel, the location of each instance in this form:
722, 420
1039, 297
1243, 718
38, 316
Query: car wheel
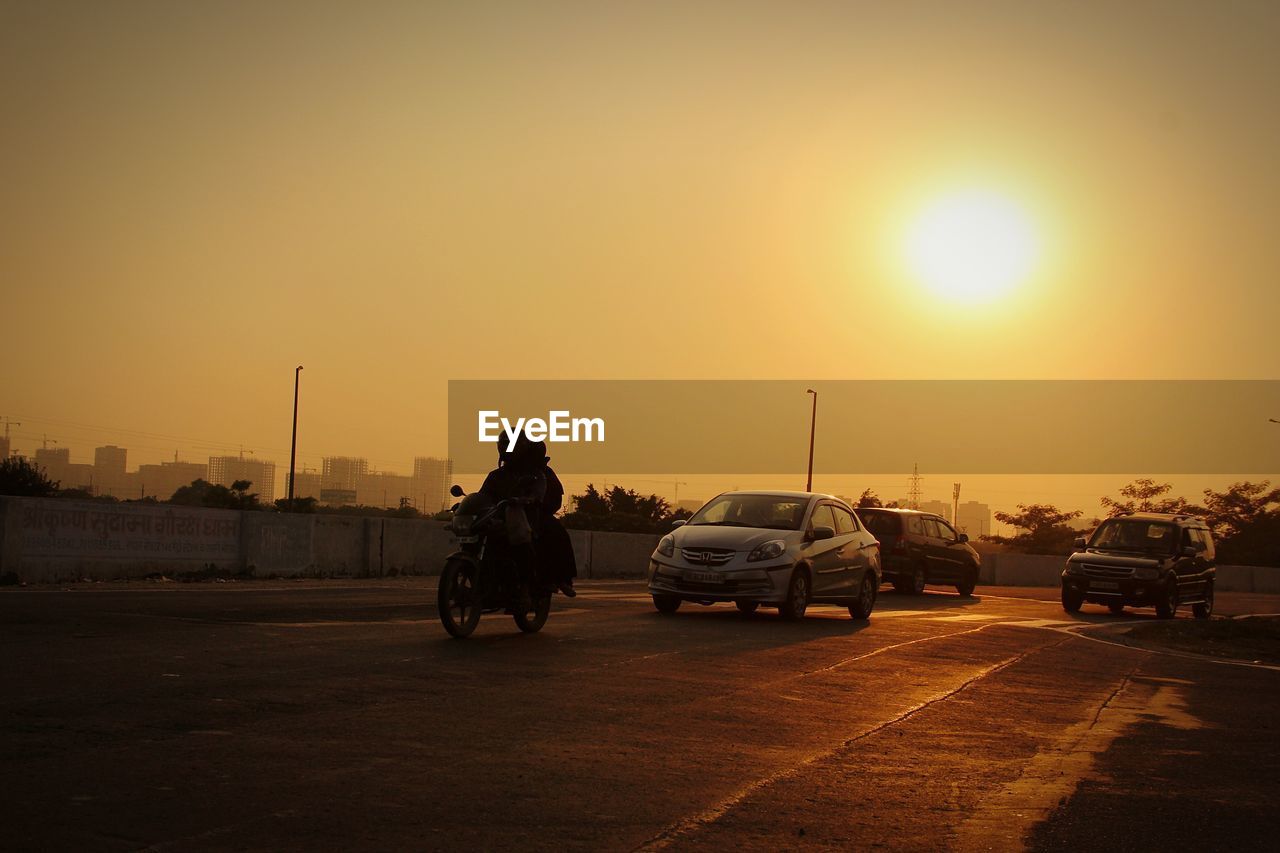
967, 586
1116, 609
747, 606
917, 581
666, 603
861, 609
1071, 599
797, 596
1167, 606
1205, 609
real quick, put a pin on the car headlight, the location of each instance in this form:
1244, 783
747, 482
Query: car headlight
1074, 569
767, 551
1146, 574
667, 545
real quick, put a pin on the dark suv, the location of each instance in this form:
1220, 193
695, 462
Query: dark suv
919, 547
1143, 559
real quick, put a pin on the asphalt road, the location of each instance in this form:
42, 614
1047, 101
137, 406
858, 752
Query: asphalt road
323, 715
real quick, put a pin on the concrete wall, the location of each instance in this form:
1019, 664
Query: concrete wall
1007, 568
47, 541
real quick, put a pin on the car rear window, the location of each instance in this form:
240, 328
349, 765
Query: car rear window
881, 523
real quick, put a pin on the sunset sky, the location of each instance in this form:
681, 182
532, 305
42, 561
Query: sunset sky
197, 197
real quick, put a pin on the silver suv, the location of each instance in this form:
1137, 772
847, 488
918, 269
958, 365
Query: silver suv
777, 549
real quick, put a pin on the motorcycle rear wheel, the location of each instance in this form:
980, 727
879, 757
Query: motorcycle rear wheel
459, 600
532, 620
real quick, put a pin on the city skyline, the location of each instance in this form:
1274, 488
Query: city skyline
999, 493
109, 475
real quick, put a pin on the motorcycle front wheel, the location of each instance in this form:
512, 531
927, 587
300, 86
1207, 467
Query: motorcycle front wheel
530, 621
459, 598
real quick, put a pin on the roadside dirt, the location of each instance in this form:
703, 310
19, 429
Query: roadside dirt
1251, 638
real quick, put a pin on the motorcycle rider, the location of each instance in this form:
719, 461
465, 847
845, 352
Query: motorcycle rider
523, 474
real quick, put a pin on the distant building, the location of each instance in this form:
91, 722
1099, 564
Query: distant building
432, 478
941, 508
343, 472
225, 470
4, 447
974, 519
692, 504
109, 477
79, 475
161, 481
307, 485
384, 489
55, 462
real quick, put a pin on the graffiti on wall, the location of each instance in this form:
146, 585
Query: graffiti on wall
62, 529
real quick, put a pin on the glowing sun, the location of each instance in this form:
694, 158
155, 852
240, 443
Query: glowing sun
971, 246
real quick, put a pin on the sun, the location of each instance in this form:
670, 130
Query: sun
971, 246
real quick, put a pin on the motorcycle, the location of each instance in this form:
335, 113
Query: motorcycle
485, 574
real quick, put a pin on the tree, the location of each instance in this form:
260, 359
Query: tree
206, 494
305, 505
591, 502
22, 479
1146, 495
1245, 520
1044, 526
868, 499
619, 509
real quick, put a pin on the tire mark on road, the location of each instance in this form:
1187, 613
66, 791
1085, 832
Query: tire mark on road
715, 812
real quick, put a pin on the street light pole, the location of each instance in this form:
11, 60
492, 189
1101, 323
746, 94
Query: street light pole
813, 426
293, 446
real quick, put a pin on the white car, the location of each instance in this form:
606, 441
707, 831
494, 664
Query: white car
777, 549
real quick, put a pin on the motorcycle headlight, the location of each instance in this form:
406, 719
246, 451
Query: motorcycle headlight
667, 545
461, 524
1146, 574
767, 551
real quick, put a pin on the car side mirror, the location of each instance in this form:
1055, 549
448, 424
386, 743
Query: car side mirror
1189, 551
1080, 543
456, 490
822, 533
963, 537
679, 522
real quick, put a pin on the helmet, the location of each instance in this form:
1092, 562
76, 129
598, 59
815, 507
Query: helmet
527, 451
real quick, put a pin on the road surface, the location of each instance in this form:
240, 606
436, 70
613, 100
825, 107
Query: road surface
314, 715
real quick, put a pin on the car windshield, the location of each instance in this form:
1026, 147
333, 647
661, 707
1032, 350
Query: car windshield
1135, 535
772, 512
881, 523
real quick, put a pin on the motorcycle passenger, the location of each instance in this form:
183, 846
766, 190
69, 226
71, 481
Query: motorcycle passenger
523, 474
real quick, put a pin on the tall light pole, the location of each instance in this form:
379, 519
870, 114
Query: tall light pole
293, 446
813, 426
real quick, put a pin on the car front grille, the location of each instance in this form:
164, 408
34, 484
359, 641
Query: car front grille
1108, 572
707, 556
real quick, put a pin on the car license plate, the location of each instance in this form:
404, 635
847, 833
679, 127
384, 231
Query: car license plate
704, 577
1103, 585
467, 540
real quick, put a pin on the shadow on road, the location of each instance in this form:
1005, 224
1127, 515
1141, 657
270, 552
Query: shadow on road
929, 600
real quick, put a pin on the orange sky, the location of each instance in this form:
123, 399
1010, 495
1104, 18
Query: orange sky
198, 197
